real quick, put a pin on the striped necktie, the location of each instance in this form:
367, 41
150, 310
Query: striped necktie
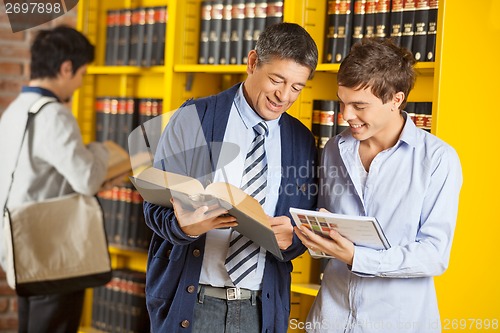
243, 254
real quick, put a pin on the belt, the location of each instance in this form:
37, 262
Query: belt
227, 293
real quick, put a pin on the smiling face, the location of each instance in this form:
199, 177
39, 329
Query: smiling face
368, 117
272, 87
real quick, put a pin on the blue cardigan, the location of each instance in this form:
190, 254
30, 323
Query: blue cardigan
175, 260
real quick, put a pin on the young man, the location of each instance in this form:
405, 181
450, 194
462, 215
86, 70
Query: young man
53, 160
190, 287
405, 177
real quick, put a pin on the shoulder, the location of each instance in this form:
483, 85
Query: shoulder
296, 126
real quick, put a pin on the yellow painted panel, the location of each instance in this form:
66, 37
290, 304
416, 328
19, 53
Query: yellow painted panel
467, 94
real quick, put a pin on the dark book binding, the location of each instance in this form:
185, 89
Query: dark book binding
408, 24
358, 21
112, 18
137, 36
370, 11
274, 12
216, 14
431, 31
323, 121
260, 20
149, 39
160, 33
329, 52
225, 35
248, 27
122, 58
338, 37
396, 21
382, 19
236, 38
206, 8
420, 35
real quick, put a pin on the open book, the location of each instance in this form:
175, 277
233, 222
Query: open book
158, 187
118, 160
361, 230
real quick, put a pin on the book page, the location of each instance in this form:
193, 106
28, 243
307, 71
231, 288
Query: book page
118, 160
361, 230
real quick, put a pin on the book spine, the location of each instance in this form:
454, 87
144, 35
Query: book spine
206, 8
274, 12
110, 36
344, 30
160, 30
396, 21
432, 30
236, 39
260, 20
329, 51
149, 37
225, 39
125, 16
216, 14
408, 24
370, 10
382, 19
113, 120
116, 38
420, 36
325, 114
99, 119
248, 28
141, 28
358, 21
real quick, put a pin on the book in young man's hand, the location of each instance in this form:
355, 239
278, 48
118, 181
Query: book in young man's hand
158, 187
118, 160
361, 230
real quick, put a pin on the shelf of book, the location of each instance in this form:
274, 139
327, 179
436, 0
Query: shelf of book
181, 77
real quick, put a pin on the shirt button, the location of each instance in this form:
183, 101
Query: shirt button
185, 323
196, 253
191, 289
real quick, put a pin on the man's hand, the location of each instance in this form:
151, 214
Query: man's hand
283, 230
336, 246
203, 219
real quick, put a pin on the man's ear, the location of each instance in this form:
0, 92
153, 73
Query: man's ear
397, 99
66, 69
252, 61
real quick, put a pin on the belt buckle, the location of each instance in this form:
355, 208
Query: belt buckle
233, 294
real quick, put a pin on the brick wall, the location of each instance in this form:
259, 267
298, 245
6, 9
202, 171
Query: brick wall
14, 73
15, 54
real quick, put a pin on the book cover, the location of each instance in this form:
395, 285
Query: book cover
396, 29
361, 230
248, 28
408, 24
358, 21
382, 19
160, 32
236, 38
138, 22
206, 9
216, 15
158, 187
125, 24
274, 12
370, 10
432, 30
225, 37
420, 35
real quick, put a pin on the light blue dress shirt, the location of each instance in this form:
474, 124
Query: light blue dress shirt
412, 189
240, 131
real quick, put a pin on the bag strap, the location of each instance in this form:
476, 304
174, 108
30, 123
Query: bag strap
33, 110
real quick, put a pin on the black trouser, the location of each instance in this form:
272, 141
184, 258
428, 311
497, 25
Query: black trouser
57, 313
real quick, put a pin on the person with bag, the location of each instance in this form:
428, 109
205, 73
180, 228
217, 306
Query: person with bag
49, 158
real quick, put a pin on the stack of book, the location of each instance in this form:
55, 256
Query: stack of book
120, 306
116, 117
229, 29
410, 23
136, 37
124, 218
327, 121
